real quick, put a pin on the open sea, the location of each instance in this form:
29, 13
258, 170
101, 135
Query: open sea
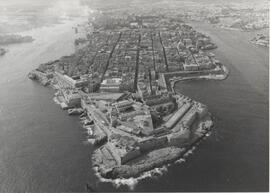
42, 149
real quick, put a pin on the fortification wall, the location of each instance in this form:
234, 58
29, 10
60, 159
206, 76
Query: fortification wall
177, 116
130, 155
153, 143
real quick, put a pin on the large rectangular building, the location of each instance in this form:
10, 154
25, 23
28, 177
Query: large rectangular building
111, 85
67, 81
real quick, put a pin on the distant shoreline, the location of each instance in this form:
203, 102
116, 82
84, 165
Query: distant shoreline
14, 39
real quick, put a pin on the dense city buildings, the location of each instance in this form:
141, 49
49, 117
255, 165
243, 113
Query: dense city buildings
121, 82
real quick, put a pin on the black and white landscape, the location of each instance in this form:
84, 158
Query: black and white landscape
133, 95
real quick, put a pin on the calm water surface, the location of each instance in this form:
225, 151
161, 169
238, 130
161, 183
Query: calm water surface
41, 147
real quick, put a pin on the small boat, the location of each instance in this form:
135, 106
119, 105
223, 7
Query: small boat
88, 122
76, 111
89, 131
89, 188
83, 114
91, 141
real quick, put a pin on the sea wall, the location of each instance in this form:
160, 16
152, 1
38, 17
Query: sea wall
153, 143
179, 139
189, 118
43, 78
157, 158
130, 155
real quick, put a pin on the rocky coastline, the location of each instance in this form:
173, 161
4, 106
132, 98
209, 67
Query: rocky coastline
156, 159
135, 120
148, 160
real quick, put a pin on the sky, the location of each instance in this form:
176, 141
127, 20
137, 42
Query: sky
20, 15
12, 11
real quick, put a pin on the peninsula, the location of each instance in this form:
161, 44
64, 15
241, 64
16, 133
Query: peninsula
6, 39
121, 83
2, 51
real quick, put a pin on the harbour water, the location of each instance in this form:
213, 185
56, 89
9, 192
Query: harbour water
42, 149
235, 156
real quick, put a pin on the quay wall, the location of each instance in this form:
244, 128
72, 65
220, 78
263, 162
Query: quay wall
165, 77
191, 73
